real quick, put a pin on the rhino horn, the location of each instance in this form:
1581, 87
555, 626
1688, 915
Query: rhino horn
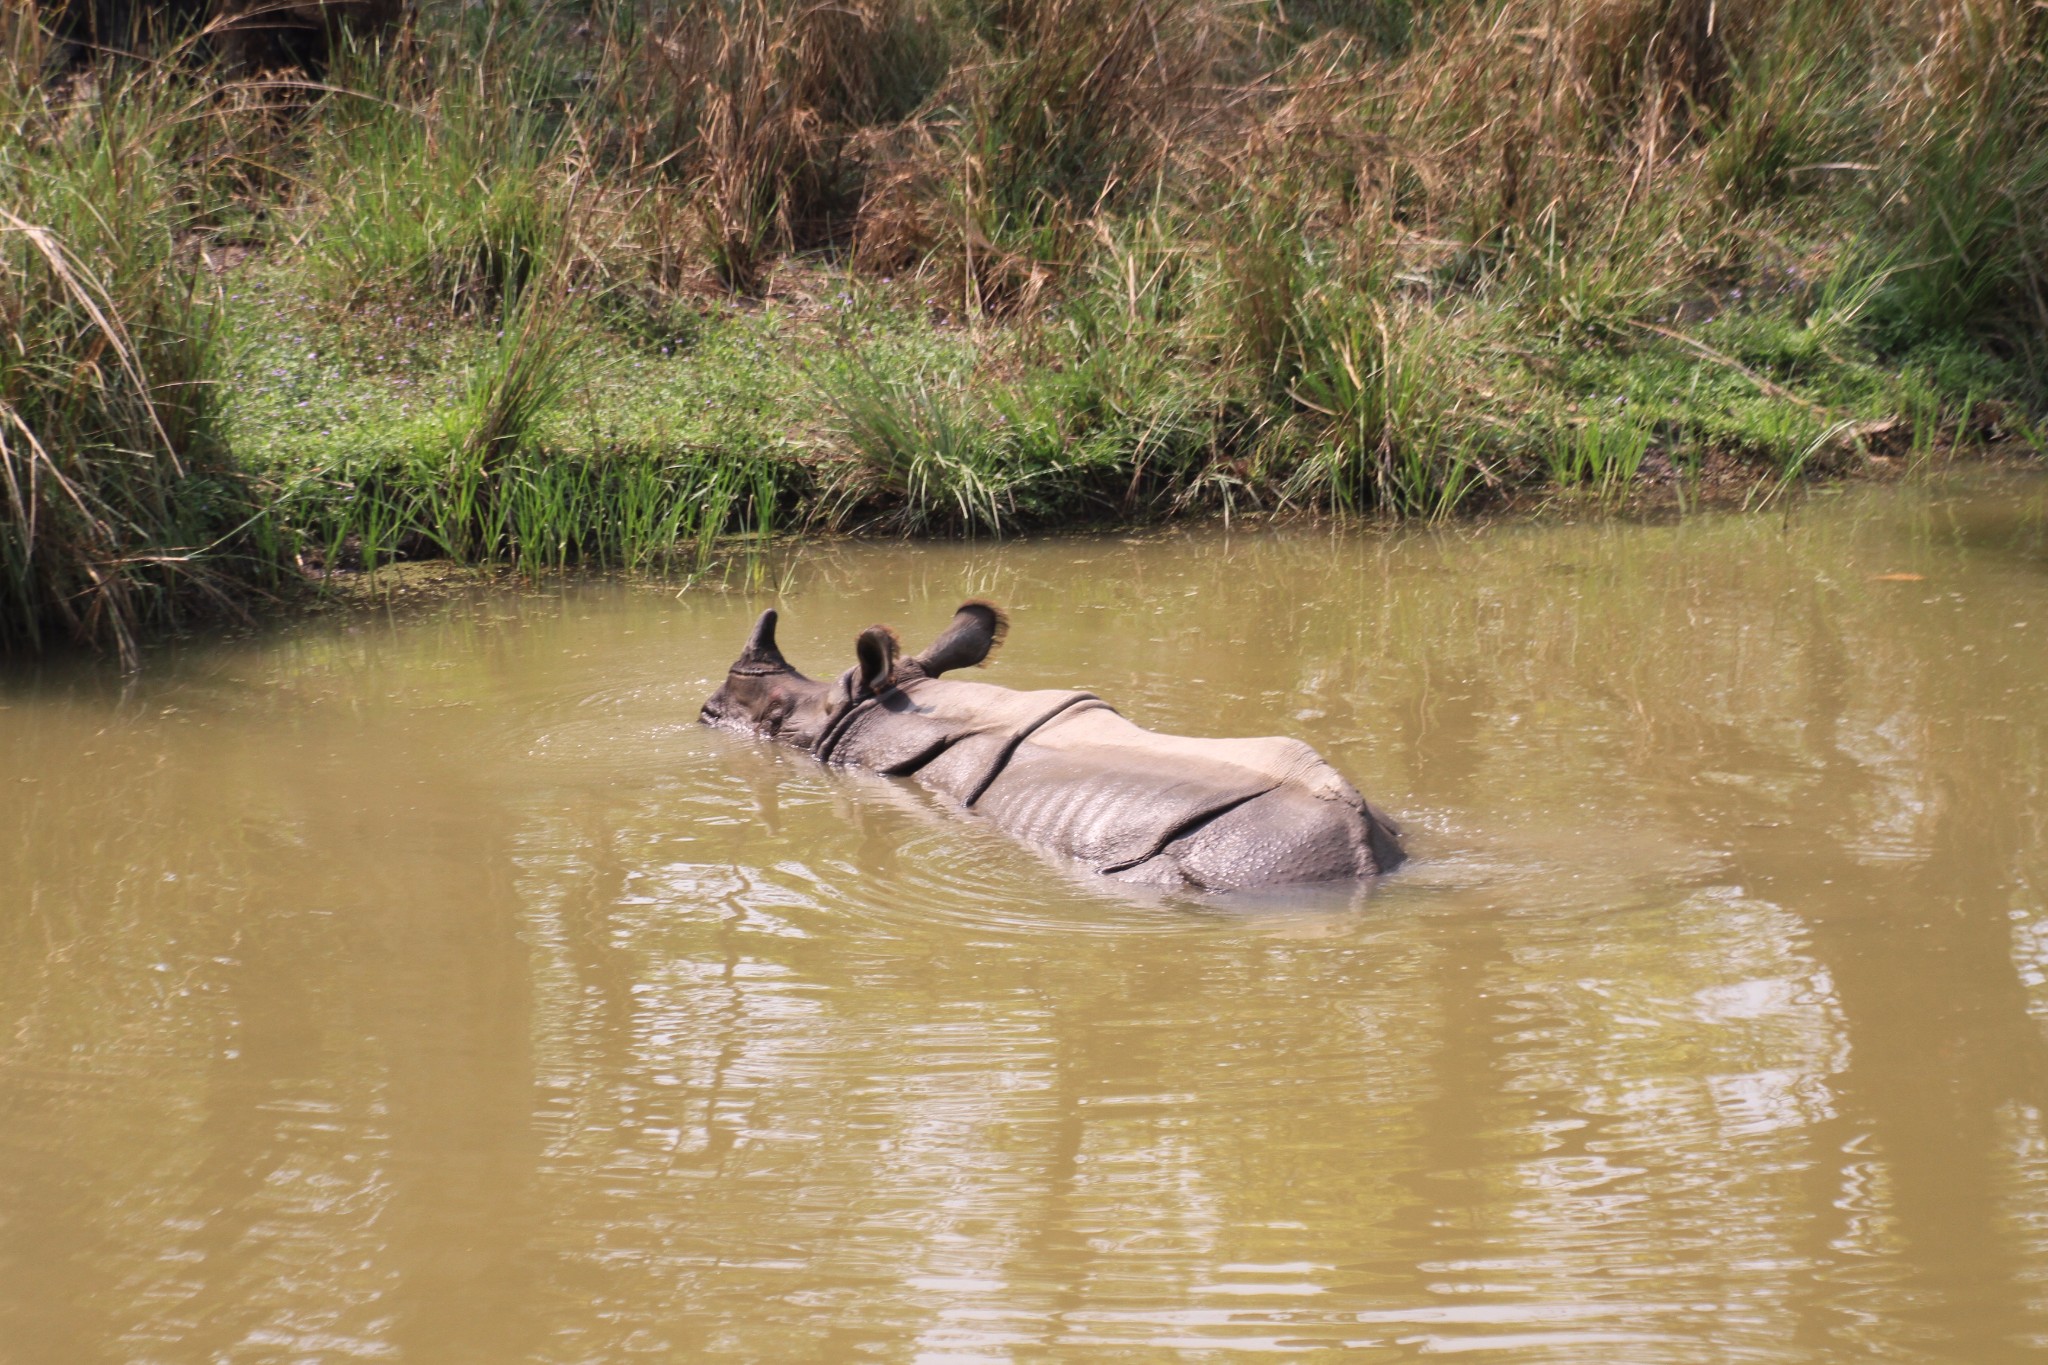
761, 655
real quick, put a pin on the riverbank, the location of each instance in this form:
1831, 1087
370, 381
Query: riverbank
596, 286
836, 404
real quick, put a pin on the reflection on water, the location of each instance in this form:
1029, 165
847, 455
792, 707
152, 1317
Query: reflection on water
437, 990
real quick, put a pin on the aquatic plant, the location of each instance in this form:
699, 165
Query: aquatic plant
1601, 452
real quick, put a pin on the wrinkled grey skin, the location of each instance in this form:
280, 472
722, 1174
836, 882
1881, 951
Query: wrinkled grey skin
1062, 769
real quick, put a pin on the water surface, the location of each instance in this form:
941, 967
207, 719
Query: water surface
430, 987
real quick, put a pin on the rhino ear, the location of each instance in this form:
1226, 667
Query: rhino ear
976, 634
876, 649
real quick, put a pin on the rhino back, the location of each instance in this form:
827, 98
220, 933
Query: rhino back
1218, 813
1063, 770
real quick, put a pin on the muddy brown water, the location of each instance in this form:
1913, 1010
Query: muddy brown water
432, 988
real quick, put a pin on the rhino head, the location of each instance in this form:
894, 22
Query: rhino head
764, 695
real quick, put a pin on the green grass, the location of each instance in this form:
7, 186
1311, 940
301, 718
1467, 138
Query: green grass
597, 285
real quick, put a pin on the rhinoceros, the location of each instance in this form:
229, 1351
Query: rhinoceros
1062, 769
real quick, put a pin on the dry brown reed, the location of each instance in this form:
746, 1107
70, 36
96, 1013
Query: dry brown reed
761, 105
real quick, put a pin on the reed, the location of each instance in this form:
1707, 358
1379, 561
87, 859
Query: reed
760, 104
122, 508
1065, 110
1602, 454
546, 511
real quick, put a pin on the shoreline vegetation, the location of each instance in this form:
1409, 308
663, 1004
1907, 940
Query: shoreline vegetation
598, 284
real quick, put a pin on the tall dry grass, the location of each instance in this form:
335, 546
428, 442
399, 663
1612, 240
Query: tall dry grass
758, 110
123, 509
